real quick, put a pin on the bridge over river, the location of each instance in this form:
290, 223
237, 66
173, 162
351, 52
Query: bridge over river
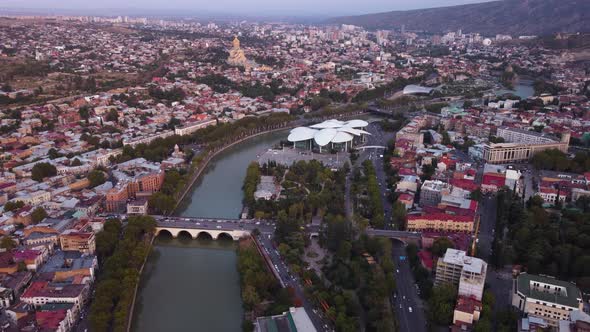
213, 227
238, 228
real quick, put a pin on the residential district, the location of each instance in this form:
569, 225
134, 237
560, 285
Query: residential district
478, 146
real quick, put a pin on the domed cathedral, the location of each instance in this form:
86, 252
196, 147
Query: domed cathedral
237, 57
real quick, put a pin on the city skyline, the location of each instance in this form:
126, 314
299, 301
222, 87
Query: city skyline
174, 169
234, 7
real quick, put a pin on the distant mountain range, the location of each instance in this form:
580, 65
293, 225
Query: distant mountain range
514, 17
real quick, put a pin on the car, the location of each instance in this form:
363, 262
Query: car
218, 227
397, 270
410, 309
404, 297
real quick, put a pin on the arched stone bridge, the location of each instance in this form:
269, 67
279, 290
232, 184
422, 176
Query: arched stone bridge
215, 228
403, 236
195, 233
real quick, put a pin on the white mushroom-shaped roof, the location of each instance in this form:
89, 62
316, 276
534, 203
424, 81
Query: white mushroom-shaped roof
301, 134
325, 136
342, 137
328, 124
356, 124
414, 89
353, 131
330, 131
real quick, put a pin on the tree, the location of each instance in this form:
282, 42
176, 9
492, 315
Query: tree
440, 246
483, 325
96, 178
113, 116
441, 304
52, 153
84, 112
38, 215
162, 203
250, 297
446, 139
42, 170
173, 123
76, 162
398, 214
7, 243
476, 195
12, 206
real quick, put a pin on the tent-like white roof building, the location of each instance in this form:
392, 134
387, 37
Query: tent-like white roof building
416, 89
330, 131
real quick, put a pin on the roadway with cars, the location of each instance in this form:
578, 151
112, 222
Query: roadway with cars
406, 301
406, 294
216, 224
290, 279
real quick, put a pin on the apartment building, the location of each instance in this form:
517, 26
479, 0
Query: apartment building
468, 273
545, 297
432, 191
503, 153
194, 126
517, 135
522, 145
84, 242
440, 222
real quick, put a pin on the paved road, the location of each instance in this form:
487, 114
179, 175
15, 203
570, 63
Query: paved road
406, 296
380, 138
290, 279
500, 281
216, 224
487, 225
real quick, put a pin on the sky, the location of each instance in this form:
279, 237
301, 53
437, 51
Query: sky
249, 7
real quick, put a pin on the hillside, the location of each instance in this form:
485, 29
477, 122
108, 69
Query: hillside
515, 17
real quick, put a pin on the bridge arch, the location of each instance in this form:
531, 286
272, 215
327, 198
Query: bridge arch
225, 236
164, 233
204, 235
184, 234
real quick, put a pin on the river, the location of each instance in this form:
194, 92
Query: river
193, 285
523, 89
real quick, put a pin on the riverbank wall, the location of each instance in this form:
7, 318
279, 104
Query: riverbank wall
132, 309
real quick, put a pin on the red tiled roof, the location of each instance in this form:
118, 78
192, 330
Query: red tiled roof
450, 210
21, 255
44, 289
49, 320
467, 304
441, 216
426, 259
405, 197
464, 184
494, 179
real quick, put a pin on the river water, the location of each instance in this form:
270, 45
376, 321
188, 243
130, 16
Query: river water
193, 285
523, 89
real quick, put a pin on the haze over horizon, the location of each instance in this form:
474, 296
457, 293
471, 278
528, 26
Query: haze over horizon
251, 7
